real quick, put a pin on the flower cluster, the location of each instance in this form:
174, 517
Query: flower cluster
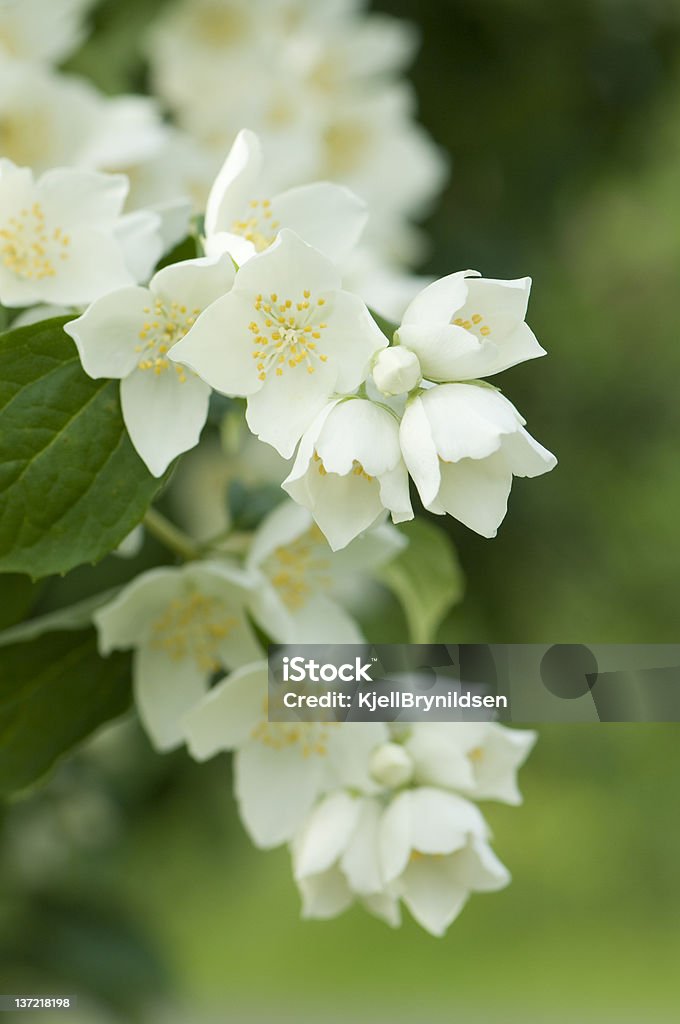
321, 379
273, 312
372, 812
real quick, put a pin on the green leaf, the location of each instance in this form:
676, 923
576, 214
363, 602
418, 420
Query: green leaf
426, 577
71, 484
17, 594
54, 691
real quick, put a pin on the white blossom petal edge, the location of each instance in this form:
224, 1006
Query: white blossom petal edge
128, 334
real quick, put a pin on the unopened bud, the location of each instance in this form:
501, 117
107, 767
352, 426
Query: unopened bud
390, 765
396, 370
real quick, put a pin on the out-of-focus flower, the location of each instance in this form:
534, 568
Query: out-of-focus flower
425, 847
184, 624
239, 220
281, 768
63, 239
477, 759
128, 334
302, 577
463, 327
349, 469
336, 859
286, 337
434, 852
463, 444
318, 83
40, 31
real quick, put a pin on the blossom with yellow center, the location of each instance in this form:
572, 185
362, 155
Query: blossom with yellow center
464, 326
304, 586
129, 334
243, 222
184, 625
281, 768
64, 240
286, 337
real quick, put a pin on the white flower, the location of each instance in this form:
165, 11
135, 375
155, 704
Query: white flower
463, 327
239, 220
336, 859
434, 852
302, 578
396, 371
281, 768
128, 334
36, 30
426, 847
349, 469
184, 624
286, 337
478, 759
462, 445
62, 239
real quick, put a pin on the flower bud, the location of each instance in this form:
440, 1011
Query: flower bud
396, 370
391, 765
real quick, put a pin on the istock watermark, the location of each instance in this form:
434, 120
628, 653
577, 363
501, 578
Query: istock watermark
475, 682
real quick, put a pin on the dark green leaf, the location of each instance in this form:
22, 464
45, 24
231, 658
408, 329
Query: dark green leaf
71, 484
54, 691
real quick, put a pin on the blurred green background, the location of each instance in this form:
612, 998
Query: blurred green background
563, 124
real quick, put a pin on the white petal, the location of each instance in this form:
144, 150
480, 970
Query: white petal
164, 415
342, 506
468, 422
327, 216
282, 526
125, 620
219, 346
326, 833
275, 789
432, 897
165, 689
235, 184
194, 283
325, 895
350, 339
236, 246
287, 268
360, 862
419, 451
500, 754
226, 716
439, 301
478, 868
444, 350
525, 456
140, 238
94, 266
359, 431
350, 745
284, 407
107, 334
75, 197
475, 492
395, 495
439, 757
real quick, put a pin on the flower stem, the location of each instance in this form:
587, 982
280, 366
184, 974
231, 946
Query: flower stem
169, 535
